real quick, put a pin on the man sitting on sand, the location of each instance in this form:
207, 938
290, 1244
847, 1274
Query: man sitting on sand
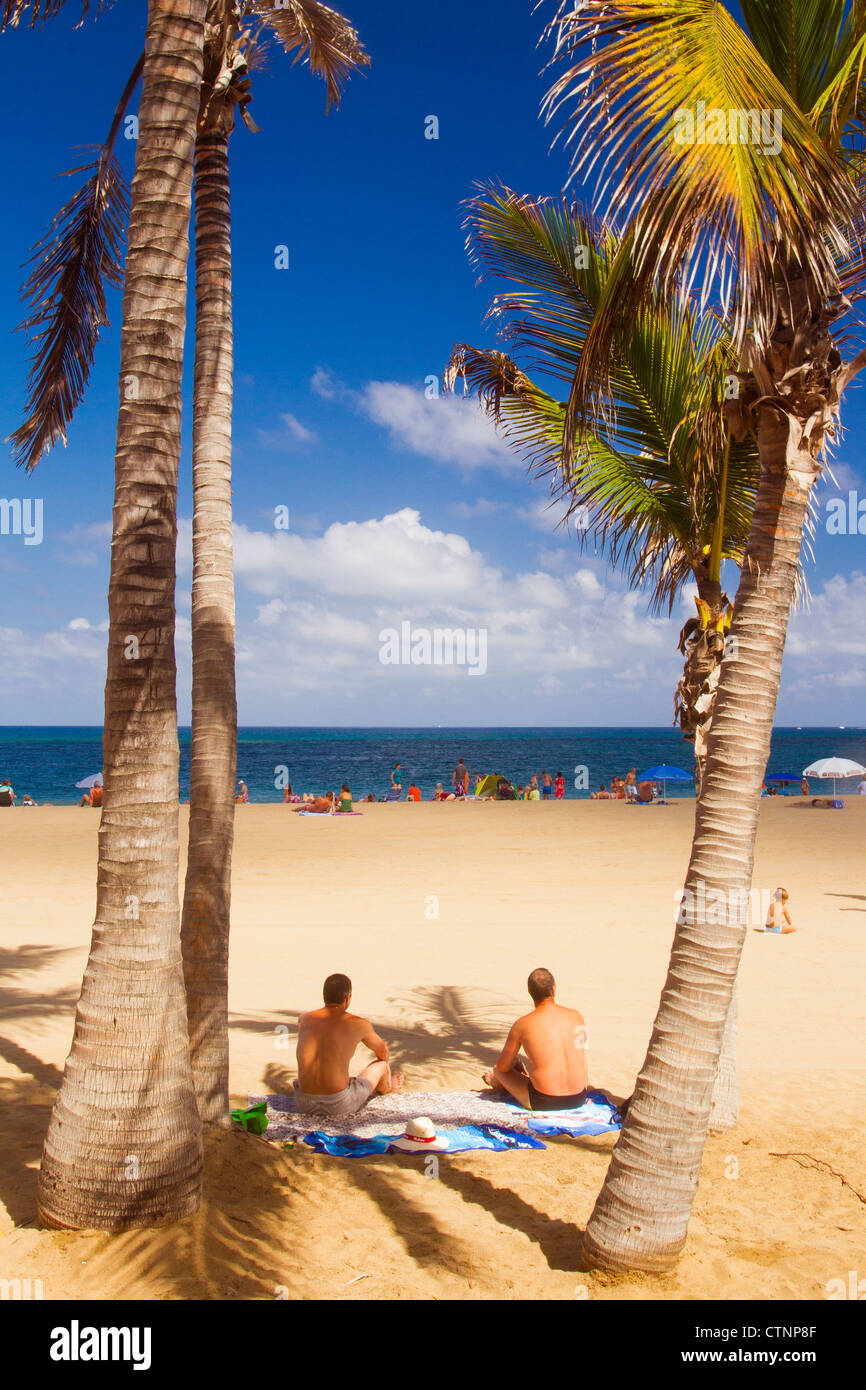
327, 1039
553, 1039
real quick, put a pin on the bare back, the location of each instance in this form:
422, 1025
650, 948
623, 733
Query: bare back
554, 1039
327, 1040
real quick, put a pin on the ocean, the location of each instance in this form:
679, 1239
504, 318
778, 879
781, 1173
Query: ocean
48, 761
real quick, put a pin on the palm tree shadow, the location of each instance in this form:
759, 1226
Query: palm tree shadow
558, 1240
25, 1102
449, 1024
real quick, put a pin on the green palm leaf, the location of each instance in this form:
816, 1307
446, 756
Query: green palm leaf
636, 70
644, 480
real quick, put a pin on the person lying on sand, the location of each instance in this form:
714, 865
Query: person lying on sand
553, 1039
778, 917
327, 1039
318, 805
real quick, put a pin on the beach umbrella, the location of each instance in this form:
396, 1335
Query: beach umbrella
487, 786
88, 782
664, 773
837, 768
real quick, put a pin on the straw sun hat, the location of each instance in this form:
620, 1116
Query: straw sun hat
420, 1137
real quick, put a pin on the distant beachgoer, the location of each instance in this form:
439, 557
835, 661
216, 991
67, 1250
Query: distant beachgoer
532, 784
96, 795
804, 787
345, 803
617, 788
371, 797
287, 793
243, 795
439, 794
414, 793
319, 805
861, 787
460, 776
327, 1039
397, 777
554, 1040
546, 785
533, 794
27, 800
631, 784
521, 793
559, 787
778, 917
7, 795
601, 795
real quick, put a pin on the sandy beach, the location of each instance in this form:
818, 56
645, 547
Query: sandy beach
438, 912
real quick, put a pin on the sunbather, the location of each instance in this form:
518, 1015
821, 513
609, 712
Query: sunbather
554, 1039
327, 1040
345, 803
778, 917
319, 806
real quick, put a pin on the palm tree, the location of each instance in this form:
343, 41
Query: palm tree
236, 39
773, 227
124, 1141
81, 254
656, 483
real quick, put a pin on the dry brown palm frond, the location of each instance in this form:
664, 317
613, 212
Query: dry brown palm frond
324, 38
33, 12
79, 255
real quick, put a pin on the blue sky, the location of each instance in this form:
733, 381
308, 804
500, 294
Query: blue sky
401, 508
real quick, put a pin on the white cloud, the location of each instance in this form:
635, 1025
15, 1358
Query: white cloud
287, 438
482, 507
447, 429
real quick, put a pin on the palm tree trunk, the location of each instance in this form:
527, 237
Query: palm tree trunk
207, 895
725, 1107
124, 1141
641, 1216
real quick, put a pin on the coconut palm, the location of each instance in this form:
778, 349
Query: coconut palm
236, 40
124, 1140
774, 230
657, 483
79, 255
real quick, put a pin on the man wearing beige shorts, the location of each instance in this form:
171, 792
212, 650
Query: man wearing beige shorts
327, 1040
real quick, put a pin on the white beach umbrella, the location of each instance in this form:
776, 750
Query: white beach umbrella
837, 768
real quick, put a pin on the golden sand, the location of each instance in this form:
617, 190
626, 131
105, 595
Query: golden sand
586, 889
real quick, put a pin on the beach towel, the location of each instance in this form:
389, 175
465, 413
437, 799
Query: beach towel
468, 1119
328, 815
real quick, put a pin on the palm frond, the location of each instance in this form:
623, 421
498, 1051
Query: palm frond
79, 255
643, 482
323, 37
641, 83
34, 12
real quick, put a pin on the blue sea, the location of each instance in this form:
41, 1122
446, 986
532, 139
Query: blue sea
48, 761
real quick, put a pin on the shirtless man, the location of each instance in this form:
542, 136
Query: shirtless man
327, 1039
553, 1039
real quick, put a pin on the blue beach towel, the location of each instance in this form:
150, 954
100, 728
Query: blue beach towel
467, 1119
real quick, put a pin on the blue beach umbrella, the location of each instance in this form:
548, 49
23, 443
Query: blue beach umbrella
784, 777
88, 782
664, 773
